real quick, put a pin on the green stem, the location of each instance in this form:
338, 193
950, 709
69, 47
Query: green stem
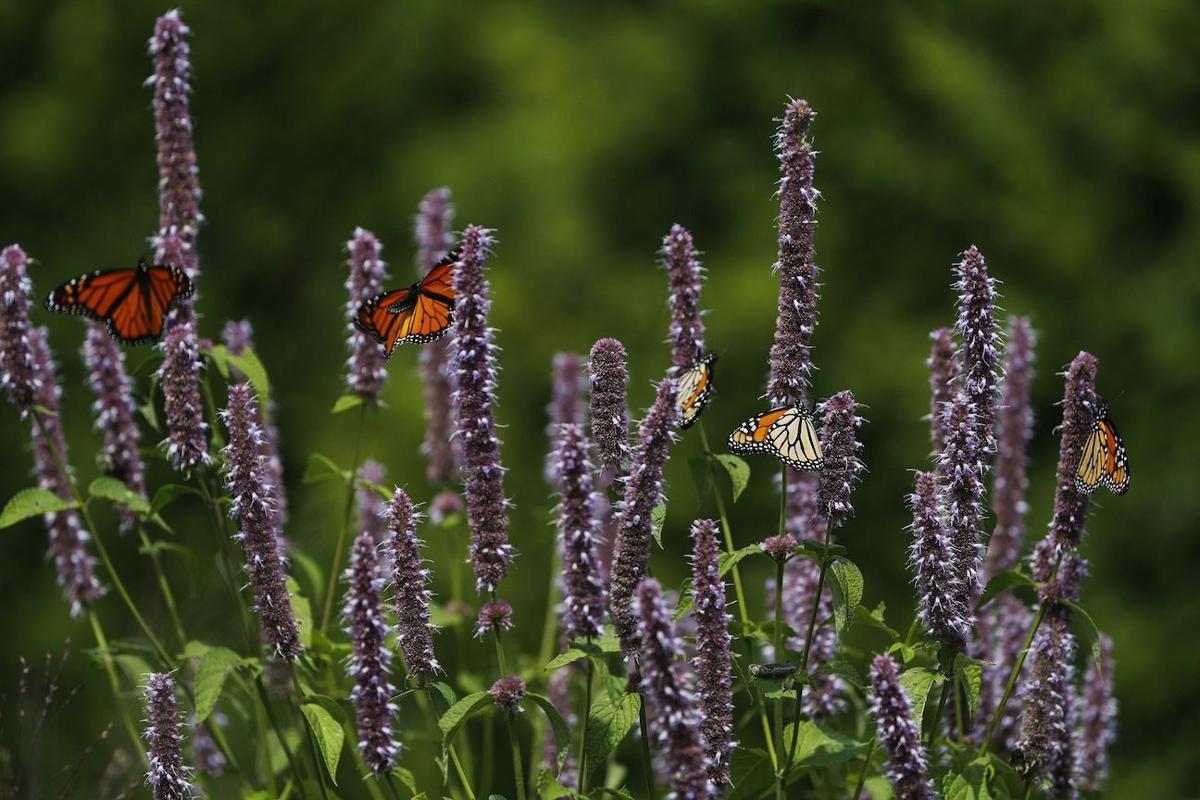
164, 587
518, 769
545, 653
935, 724
265, 700
391, 784
862, 775
780, 770
647, 764
587, 707
812, 625
102, 643
260, 715
431, 696
347, 514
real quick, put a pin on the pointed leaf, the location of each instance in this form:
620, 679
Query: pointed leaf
322, 468
970, 672
609, 722
737, 470
329, 735
345, 403
458, 713
657, 517
112, 489
847, 587
818, 747
1002, 581
215, 665
32, 503
917, 683
562, 731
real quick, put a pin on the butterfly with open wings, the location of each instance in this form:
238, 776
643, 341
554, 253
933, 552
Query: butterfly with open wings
418, 314
132, 303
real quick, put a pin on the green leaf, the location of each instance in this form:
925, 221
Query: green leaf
215, 665
737, 470
657, 517
168, 494
847, 589
844, 670
548, 787
458, 713
1002, 581
446, 692
917, 683
750, 772
322, 468
702, 480
406, 778
249, 365
873, 618
562, 731
817, 747
329, 735
971, 784
32, 503
302, 610
112, 489
345, 403
1089, 626
970, 671
609, 722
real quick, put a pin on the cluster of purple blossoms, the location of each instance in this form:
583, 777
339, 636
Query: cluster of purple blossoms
843, 469
372, 508
941, 601
179, 377
366, 367
681, 260
671, 707
253, 509
207, 758
713, 664
507, 693
898, 733
16, 360
370, 657
412, 594
1045, 745
800, 578
1079, 411
583, 588
961, 481
943, 370
566, 405
609, 405
1097, 723
114, 412
494, 615
474, 364
167, 776
980, 337
1002, 628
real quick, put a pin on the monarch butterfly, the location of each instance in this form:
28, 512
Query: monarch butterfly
420, 313
695, 390
786, 433
132, 303
1104, 461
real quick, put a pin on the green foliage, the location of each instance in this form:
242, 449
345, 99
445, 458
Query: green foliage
32, 503
847, 586
737, 470
558, 725
610, 719
328, 733
917, 683
215, 665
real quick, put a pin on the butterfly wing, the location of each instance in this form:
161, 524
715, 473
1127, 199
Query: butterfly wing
132, 303
794, 440
439, 281
695, 390
1091, 462
1116, 459
376, 318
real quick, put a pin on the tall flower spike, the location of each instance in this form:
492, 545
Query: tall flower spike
609, 404
898, 734
943, 370
412, 589
713, 663
962, 485
114, 410
434, 240
1015, 430
372, 508
179, 376
980, 336
566, 404
681, 260
253, 509
583, 589
939, 595
666, 687
369, 658
840, 447
366, 368
475, 375
643, 489
167, 777
1045, 731
1079, 410
791, 362
1097, 724
16, 361
68, 540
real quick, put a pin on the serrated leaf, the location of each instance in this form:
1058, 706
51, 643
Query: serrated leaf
917, 683
847, 587
970, 671
873, 618
249, 364
971, 784
657, 517
737, 470
548, 787
32, 503
406, 778
302, 610
609, 721
328, 733
447, 693
110, 488
215, 665
817, 747
750, 772
323, 468
458, 713
1001, 582
559, 726
844, 670
345, 403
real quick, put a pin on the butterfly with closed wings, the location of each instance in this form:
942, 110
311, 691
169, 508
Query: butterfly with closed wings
695, 390
419, 314
787, 433
1104, 461
132, 303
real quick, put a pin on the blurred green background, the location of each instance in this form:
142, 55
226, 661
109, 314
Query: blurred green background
1061, 137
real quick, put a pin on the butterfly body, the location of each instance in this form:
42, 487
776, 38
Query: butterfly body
418, 314
1104, 461
695, 390
787, 433
132, 303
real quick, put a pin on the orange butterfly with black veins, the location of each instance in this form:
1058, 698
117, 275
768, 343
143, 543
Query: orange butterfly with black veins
1104, 461
132, 303
419, 314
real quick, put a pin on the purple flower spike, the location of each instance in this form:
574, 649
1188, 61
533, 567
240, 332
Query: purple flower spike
167, 777
1016, 428
1046, 748
494, 615
609, 404
366, 368
681, 260
253, 509
114, 409
435, 216
16, 362
412, 589
179, 376
643, 490
1002, 629
507, 694
1079, 409
671, 707
370, 657
1097, 724
898, 734
583, 589
178, 185
791, 360
713, 662
943, 371
843, 469
566, 404
980, 336
939, 594
962, 483
68, 540
475, 375
372, 508
803, 521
